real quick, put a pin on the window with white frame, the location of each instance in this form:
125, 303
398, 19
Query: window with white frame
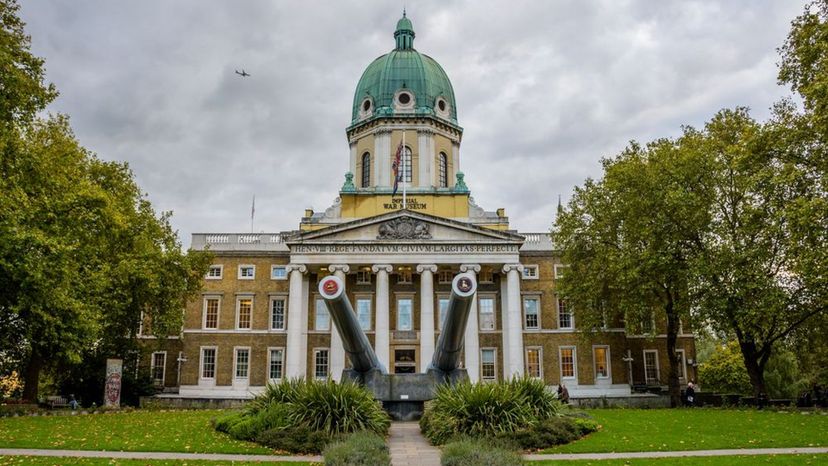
559, 270
442, 307
208, 363
363, 311
242, 363
244, 313
278, 272
211, 313
363, 277
534, 362
486, 275
531, 313
322, 320
275, 363
247, 272
277, 313
530, 272
445, 276
568, 362
488, 363
157, 365
405, 314
681, 364
486, 308
320, 363
404, 276
601, 362
564, 314
651, 376
214, 272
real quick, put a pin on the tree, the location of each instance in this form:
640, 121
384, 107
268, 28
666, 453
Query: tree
725, 371
627, 239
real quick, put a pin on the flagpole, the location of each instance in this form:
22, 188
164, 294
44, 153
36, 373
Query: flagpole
404, 168
252, 213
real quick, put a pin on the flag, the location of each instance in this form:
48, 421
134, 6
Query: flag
252, 212
396, 167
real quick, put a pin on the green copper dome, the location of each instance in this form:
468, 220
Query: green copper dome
404, 82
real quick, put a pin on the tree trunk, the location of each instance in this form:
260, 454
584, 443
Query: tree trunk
672, 337
755, 368
31, 377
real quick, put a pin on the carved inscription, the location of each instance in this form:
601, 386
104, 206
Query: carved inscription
356, 248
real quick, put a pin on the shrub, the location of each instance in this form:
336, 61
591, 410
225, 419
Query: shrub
338, 408
547, 433
225, 422
543, 402
477, 452
299, 439
359, 449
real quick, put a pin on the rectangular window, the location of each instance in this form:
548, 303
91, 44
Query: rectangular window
600, 356
651, 367
363, 311
277, 314
244, 313
530, 272
564, 314
681, 363
363, 277
486, 307
214, 272
242, 362
534, 362
488, 363
404, 314
159, 362
276, 363
247, 272
531, 313
442, 304
278, 272
559, 270
444, 277
568, 368
320, 363
322, 322
211, 313
208, 363
404, 276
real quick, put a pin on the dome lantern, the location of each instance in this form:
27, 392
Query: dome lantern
404, 33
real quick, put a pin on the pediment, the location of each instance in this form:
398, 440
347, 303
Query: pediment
406, 226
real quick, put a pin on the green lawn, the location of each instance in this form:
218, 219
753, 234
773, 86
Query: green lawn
59, 461
699, 429
772, 460
179, 431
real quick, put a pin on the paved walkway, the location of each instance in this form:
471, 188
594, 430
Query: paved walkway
409, 447
154, 455
677, 454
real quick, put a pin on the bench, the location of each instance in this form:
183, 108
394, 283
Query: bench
57, 402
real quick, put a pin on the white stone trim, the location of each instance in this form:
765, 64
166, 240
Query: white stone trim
239, 272
220, 269
573, 379
608, 378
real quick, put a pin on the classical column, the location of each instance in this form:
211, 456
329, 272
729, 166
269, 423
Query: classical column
382, 157
455, 162
425, 147
297, 325
382, 340
471, 346
512, 323
426, 272
353, 161
337, 350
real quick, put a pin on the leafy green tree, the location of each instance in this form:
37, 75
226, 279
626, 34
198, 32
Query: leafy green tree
724, 371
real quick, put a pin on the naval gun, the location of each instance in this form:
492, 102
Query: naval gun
402, 395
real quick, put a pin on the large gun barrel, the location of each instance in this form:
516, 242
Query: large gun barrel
450, 343
354, 341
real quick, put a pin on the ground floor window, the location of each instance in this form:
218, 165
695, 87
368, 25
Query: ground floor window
442, 304
320, 363
488, 363
404, 314
208, 363
276, 364
159, 361
568, 363
651, 366
601, 361
534, 365
242, 362
364, 313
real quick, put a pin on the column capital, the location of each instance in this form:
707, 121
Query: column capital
376, 268
470, 268
512, 267
300, 267
427, 267
344, 268
425, 131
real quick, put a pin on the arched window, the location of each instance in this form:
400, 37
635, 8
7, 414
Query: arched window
443, 170
366, 170
406, 163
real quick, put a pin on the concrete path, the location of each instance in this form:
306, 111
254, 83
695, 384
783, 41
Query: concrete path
155, 455
677, 454
409, 447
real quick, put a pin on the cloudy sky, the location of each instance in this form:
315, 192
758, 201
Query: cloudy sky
544, 90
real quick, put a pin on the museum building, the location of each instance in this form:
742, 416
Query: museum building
259, 317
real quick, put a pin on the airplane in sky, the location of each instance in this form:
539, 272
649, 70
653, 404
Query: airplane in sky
243, 73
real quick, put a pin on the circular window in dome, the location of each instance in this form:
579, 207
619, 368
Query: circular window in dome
404, 98
441, 107
366, 105
441, 104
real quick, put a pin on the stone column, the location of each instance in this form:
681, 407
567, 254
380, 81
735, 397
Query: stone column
297, 325
337, 350
382, 157
382, 338
426, 272
425, 146
455, 162
353, 161
512, 323
471, 346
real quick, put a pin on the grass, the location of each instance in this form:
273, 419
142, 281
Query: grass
56, 460
771, 460
699, 429
174, 431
